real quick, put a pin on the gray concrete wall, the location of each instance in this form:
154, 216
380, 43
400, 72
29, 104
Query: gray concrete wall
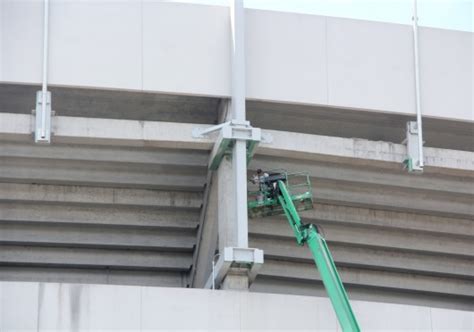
394, 237
106, 185
82, 213
293, 58
50, 306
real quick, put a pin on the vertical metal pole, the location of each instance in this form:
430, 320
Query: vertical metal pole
44, 89
238, 60
239, 154
417, 84
239, 160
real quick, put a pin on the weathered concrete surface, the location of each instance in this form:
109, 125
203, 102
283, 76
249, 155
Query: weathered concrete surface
300, 118
330, 121
207, 245
95, 214
387, 230
52, 306
284, 144
126, 105
396, 237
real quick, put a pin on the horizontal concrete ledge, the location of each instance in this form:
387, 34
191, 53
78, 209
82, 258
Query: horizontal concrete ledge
372, 278
96, 195
127, 217
94, 258
285, 144
79, 236
107, 307
93, 276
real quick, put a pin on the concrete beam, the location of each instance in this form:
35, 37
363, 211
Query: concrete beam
92, 276
110, 237
18, 192
65, 172
393, 198
373, 278
127, 217
82, 257
376, 258
78, 130
378, 237
110, 154
359, 151
358, 216
285, 144
367, 175
268, 284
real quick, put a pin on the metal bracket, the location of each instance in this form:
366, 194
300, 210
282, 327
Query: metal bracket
412, 161
43, 118
249, 258
229, 132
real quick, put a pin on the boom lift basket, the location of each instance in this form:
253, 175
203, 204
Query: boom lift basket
263, 199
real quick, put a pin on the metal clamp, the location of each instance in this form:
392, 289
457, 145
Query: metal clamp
413, 162
229, 132
249, 258
43, 114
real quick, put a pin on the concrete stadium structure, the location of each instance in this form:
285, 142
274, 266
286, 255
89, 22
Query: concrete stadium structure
123, 195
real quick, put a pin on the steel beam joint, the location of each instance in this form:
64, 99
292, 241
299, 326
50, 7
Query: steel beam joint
232, 257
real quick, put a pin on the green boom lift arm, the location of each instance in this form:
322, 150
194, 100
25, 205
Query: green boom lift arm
309, 234
324, 262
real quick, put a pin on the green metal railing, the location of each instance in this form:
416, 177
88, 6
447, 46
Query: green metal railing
262, 204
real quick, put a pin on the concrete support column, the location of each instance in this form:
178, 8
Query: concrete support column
226, 205
236, 279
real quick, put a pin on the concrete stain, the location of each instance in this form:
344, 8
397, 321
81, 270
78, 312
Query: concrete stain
75, 295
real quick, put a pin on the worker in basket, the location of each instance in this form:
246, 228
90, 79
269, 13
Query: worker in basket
268, 184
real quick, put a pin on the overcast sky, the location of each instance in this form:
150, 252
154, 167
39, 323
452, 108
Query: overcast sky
447, 14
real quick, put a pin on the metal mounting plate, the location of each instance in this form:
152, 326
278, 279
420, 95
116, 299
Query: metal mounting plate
412, 161
229, 132
225, 142
250, 258
43, 120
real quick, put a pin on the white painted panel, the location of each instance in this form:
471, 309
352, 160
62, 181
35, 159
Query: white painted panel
63, 306
445, 320
446, 60
22, 52
186, 48
370, 65
96, 43
2, 19
286, 57
18, 306
116, 308
259, 313
202, 309
384, 316
106, 307
88, 307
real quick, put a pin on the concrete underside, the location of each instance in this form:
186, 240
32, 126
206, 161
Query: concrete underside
121, 203
316, 120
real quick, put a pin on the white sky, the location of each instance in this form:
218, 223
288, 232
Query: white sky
447, 14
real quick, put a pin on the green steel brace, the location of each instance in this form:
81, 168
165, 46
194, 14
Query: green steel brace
324, 262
